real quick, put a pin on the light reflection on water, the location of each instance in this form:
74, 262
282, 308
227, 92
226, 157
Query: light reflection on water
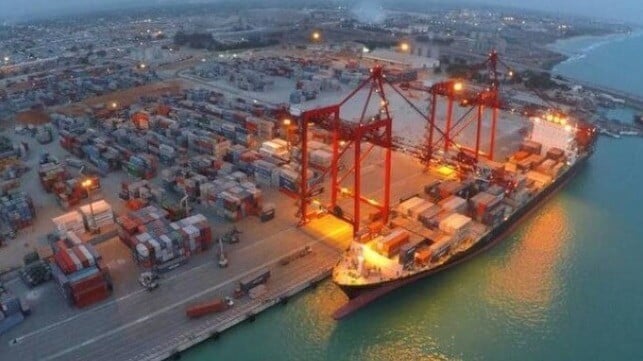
526, 282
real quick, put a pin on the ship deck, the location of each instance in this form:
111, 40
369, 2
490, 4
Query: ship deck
380, 269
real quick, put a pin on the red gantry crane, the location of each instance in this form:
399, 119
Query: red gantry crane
377, 131
369, 131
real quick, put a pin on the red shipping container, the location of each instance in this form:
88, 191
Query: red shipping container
251, 127
87, 283
59, 245
91, 296
64, 261
202, 309
127, 224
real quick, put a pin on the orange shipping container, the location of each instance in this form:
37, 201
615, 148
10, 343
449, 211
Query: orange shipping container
422, 256
520, 155
392, 243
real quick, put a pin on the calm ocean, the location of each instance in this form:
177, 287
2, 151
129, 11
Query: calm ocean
567, 285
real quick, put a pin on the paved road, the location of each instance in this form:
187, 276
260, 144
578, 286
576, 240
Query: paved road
140, 324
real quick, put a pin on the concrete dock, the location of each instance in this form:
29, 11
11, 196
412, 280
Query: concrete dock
143, 325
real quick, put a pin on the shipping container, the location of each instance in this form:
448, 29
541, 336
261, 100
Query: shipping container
205, 308
408, 250
390, 244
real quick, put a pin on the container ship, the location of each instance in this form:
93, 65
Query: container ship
466, 208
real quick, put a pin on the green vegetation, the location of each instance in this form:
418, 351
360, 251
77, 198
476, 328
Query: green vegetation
541, 80
195, 40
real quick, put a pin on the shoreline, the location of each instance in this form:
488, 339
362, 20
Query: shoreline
594, 42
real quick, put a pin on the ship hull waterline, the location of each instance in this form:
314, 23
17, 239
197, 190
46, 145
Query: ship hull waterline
360, 296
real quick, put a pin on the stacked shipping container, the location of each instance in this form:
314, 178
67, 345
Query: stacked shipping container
80, 276
17, 210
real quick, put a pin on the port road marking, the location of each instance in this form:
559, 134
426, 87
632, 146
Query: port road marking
154, 314
165, 309
132, 294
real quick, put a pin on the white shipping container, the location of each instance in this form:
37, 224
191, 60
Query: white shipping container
455, 224
90, 258
454, 203
321, 158
405, 206
142, 251
73, 238
75, 259
418, 209
72, 221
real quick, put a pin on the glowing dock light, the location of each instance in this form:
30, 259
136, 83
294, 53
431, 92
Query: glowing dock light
287, 122
114, 105
142, 65
6, 59
87, 183
458, 86
405, 47
316, 36
365, 50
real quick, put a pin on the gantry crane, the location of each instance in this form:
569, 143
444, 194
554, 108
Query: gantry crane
377, 131
370, 131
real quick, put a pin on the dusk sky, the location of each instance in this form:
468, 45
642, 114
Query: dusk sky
629, 10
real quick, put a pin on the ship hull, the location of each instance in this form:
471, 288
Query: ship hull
361, 295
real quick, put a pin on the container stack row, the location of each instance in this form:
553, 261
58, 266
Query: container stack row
142, 165
50, 173
79, 273
17, 210
130, 224
97, 214
155, 241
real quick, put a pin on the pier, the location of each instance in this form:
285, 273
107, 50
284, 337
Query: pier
632, 100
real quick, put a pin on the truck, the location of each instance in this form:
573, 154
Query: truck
205, 308
253, 281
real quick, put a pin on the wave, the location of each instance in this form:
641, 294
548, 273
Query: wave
575, 55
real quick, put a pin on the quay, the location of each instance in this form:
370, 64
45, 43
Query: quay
152, 325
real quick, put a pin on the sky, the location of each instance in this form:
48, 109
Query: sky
628, 10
